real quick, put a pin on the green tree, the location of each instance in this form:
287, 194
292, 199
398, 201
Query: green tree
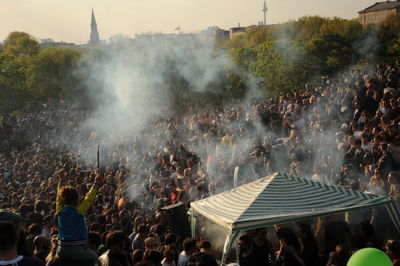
329, 54
243, 57
336, 46
29, 73
15, 60
308, 27
281, 66
18, 43
389, 35
348, 29
256, 35
51, 72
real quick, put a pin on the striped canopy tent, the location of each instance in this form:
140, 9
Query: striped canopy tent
281, 198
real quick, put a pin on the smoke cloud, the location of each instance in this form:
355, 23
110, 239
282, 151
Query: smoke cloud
131, 81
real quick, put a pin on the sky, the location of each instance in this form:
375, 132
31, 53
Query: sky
69, 21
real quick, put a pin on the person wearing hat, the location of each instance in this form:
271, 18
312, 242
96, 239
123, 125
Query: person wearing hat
9, 235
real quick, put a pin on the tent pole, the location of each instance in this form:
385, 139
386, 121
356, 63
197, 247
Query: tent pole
237, 251
230, 239
193, 224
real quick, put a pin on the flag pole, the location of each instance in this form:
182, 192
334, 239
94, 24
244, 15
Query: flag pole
98, 158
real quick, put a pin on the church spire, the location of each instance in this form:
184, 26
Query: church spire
94, 34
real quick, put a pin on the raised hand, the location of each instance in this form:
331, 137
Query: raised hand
63, 175
99, 179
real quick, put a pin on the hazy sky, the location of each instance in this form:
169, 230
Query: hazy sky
69, 20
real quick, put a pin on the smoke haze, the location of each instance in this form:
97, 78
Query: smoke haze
130, 81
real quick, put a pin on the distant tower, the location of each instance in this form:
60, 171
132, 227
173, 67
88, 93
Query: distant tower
265, 9
94, 34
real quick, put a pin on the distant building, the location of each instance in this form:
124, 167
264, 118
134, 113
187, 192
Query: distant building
94, 34
222, 34
237, 31
47, 40
59, 44
378, 12
163, 37
215, 33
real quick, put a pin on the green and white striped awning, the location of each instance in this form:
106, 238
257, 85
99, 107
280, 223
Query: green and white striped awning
282, 198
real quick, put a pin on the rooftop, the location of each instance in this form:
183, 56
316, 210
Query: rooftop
380, 6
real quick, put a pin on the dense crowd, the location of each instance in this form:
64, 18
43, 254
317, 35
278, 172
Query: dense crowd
340, 131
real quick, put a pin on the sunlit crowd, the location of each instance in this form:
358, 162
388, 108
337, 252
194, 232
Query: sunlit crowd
342, 131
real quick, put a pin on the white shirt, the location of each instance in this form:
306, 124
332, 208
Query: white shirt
358, 134
367, 146
183, 259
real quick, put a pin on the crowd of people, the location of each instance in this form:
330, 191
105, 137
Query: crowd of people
342, 131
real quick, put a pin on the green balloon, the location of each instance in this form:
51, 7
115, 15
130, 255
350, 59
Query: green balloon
369, 257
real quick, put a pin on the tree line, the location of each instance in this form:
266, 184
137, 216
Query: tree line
289, 55
278, 58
